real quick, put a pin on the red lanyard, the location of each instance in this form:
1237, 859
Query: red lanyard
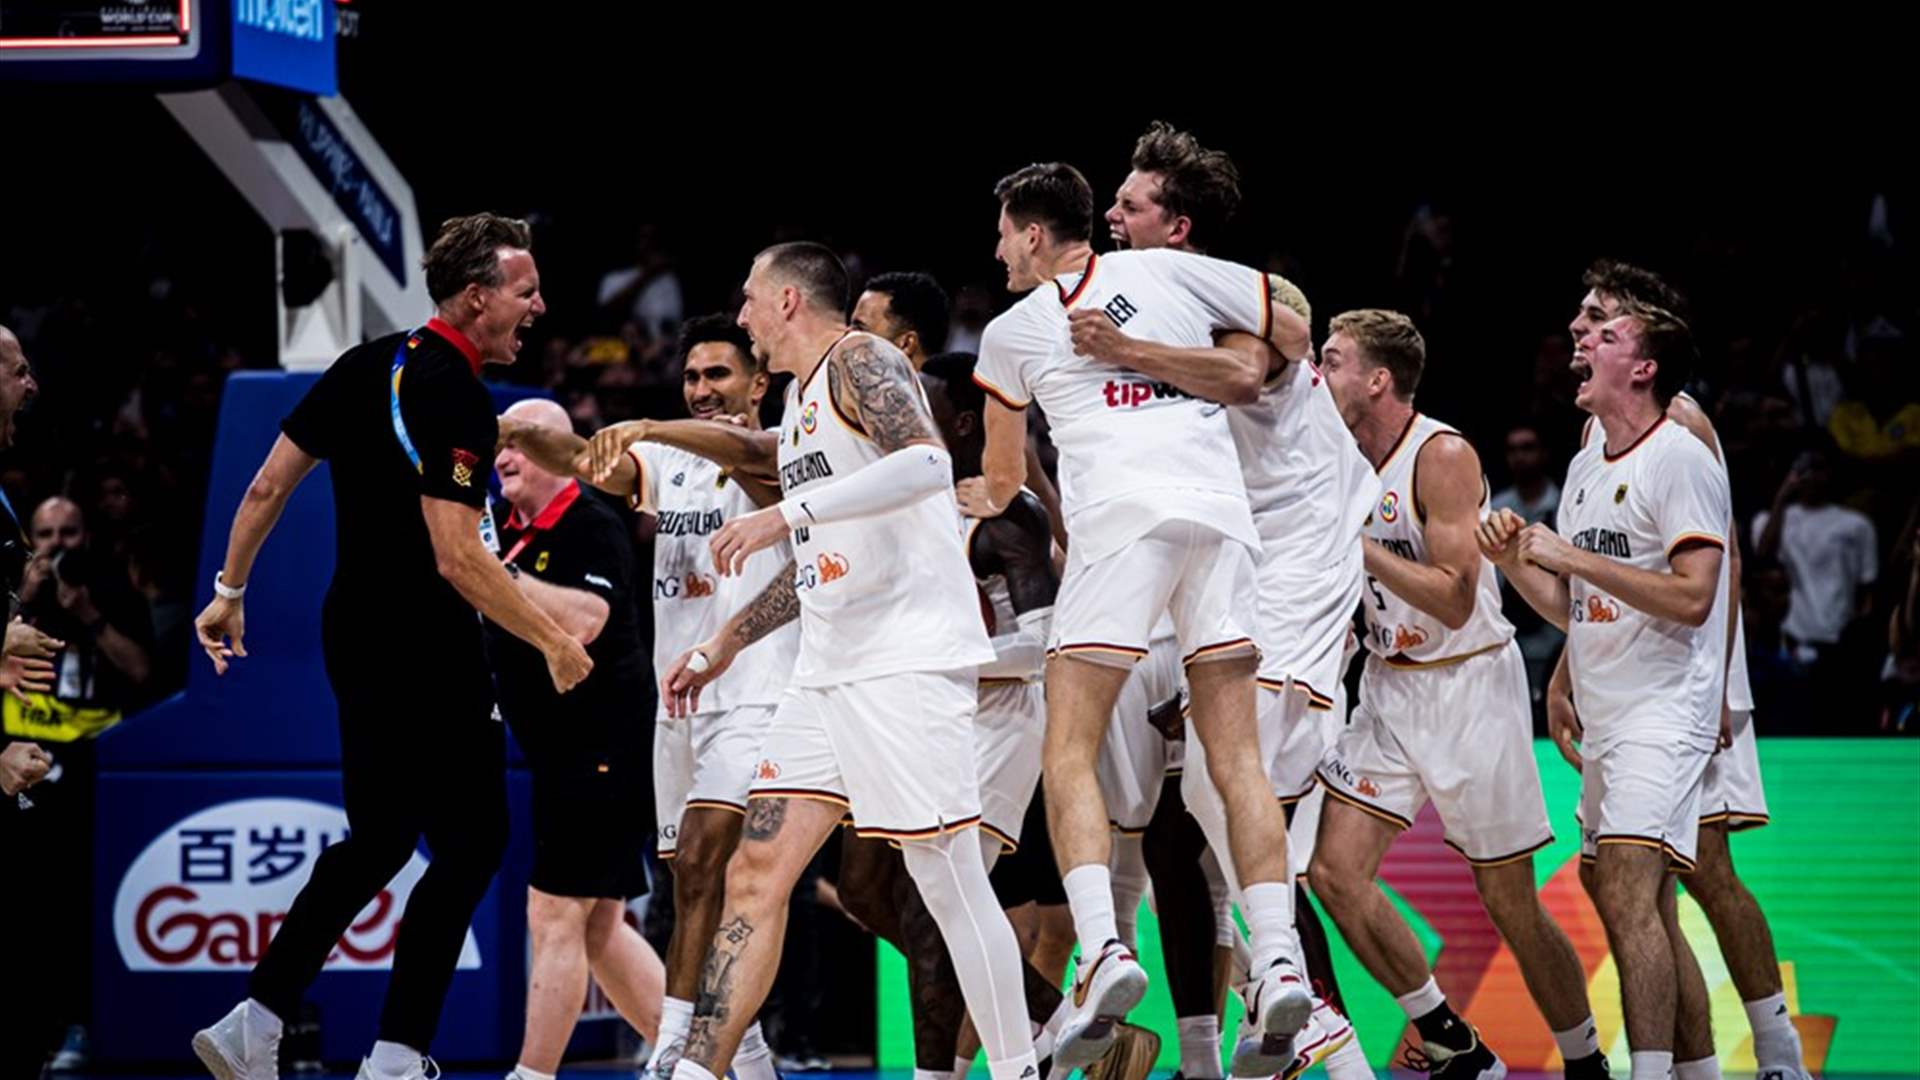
542, 521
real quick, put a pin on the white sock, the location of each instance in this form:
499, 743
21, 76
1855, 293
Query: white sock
1090, 896
1706, 1068
1349, 1062
1242, 958
1776, 1042
1578, 1041
1420, 1002
390, 1059
676, 1018
691, 1070
930, 1074
1043, 1040
1268, 907
1652, 1065
1021, 1065
952, 879
1200, 1047
261, 1021
753, 1060
964, 1065
525, 1072
1129, 863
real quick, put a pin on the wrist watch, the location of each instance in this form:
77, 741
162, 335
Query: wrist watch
512, 571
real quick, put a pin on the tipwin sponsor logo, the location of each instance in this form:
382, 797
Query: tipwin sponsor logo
210, 891
1141, 393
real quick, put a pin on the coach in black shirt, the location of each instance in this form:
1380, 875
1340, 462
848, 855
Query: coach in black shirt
408, 429
590, 751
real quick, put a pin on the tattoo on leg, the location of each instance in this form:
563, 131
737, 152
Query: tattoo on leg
764, 818
712, 1003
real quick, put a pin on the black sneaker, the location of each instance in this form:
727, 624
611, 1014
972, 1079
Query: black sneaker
1476, 1062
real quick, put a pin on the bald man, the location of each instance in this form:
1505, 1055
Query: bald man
28, 649
569, 552
17, 390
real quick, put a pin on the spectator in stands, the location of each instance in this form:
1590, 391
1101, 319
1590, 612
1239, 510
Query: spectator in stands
646, 292
1780, 681
1879, 418
84, 598
1534, 496
1830, 553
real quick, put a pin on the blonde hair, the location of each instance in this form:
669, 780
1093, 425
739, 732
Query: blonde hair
1289, 295
1387, 339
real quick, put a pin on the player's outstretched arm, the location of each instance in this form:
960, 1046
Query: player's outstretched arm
221, 626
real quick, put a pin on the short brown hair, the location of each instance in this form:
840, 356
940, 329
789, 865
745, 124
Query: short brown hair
1667, 340
467, 252
1389, 340
1054, 195
1199, 184
1632, 284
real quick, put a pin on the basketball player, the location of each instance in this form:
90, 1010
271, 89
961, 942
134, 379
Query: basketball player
1632, 574
1309, 491
1443, 713
1012, 565
702, 763
884, 685
1733, 797
1158, 517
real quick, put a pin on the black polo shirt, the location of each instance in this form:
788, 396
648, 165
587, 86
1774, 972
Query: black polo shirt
578, 541
387, 603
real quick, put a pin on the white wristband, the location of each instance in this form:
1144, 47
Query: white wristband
225, 591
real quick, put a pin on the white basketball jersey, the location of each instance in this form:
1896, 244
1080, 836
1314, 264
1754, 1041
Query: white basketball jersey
880, 595
1398, 632
1133, 452
1739, 688
691, 498
1632, 672
1309, 488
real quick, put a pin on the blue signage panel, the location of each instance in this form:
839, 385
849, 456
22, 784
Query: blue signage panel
194, 872
332, 159
287, 43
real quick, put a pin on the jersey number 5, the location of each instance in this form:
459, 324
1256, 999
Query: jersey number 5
1373, 587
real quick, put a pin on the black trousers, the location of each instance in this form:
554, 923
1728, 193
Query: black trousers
46, 898
409, 769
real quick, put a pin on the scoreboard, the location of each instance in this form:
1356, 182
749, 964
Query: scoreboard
175, 44
123, 29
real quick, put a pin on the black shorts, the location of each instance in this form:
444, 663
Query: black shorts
592, 825
1029, 875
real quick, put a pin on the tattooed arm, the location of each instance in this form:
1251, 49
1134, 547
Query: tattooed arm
872, 380
777, 605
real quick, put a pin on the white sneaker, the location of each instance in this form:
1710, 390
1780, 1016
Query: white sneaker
1326, 1032
232, 1052
1103, 991
424, 1069
661, 1063
1278, 1003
